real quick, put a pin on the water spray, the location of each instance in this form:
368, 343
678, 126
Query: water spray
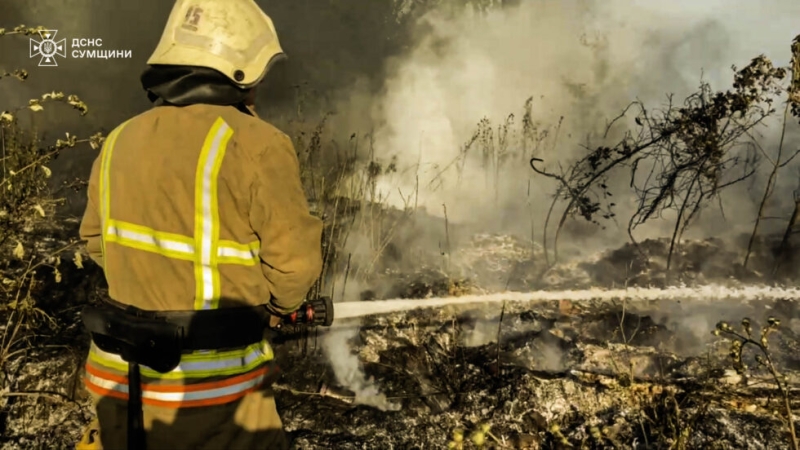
347, 310
351, 310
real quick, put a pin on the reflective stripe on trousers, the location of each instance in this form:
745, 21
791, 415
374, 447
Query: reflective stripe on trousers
235, 372
178, 396
195, 365
240, 371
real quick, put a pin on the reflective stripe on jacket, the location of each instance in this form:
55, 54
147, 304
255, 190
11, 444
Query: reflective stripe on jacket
199, 207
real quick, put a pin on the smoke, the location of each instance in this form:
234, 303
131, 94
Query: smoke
540, 353
348, 370
583, 60
483, 332
421, 78
346, 365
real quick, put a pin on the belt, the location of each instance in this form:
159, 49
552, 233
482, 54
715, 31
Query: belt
215, 329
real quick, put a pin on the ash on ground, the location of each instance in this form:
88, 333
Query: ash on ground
584, 376
645, 375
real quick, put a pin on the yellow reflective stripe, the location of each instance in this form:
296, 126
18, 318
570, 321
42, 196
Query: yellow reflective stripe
230, 252
177, 246
196, 365
143, 238
104, 186
213, 189
105, 170
105, 203
186, 242
206, 216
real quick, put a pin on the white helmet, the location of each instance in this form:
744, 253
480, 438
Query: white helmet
234, 37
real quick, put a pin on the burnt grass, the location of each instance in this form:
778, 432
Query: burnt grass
590, 375
555, 378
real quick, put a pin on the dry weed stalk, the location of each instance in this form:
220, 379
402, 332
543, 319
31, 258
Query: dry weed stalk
778, 162
344, 193
740, 341
27, 204
784, 248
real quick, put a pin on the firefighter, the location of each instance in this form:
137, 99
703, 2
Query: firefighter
197, 215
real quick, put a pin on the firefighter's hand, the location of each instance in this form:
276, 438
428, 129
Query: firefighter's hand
275, 321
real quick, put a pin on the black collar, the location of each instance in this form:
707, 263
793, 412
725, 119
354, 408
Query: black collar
186, 85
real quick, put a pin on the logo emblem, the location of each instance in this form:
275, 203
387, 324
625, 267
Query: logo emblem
48, 48
192, 18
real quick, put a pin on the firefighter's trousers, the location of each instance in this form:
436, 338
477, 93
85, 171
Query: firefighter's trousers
251, 423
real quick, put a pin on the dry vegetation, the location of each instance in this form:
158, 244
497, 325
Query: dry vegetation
553, 376
687, 153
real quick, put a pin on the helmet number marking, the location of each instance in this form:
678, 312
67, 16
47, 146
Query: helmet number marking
192, 18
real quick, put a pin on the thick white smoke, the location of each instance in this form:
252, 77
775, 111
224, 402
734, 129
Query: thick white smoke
583, 60
345, 362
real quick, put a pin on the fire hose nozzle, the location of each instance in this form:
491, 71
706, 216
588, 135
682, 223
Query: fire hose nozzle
315, 312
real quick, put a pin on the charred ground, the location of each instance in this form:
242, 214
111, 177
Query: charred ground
590, 375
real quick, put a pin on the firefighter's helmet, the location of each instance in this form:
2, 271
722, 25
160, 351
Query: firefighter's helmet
234, 37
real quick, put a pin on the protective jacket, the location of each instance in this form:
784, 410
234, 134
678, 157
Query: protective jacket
196, 205
194, 208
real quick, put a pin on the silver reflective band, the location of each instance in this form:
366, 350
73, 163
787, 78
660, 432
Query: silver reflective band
152, 240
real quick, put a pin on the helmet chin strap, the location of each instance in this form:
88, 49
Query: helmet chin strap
186, 85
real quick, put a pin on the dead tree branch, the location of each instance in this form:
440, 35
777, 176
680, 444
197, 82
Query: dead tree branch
678, 158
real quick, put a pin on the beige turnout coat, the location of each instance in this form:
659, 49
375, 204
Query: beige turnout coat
190, 208
201, 202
